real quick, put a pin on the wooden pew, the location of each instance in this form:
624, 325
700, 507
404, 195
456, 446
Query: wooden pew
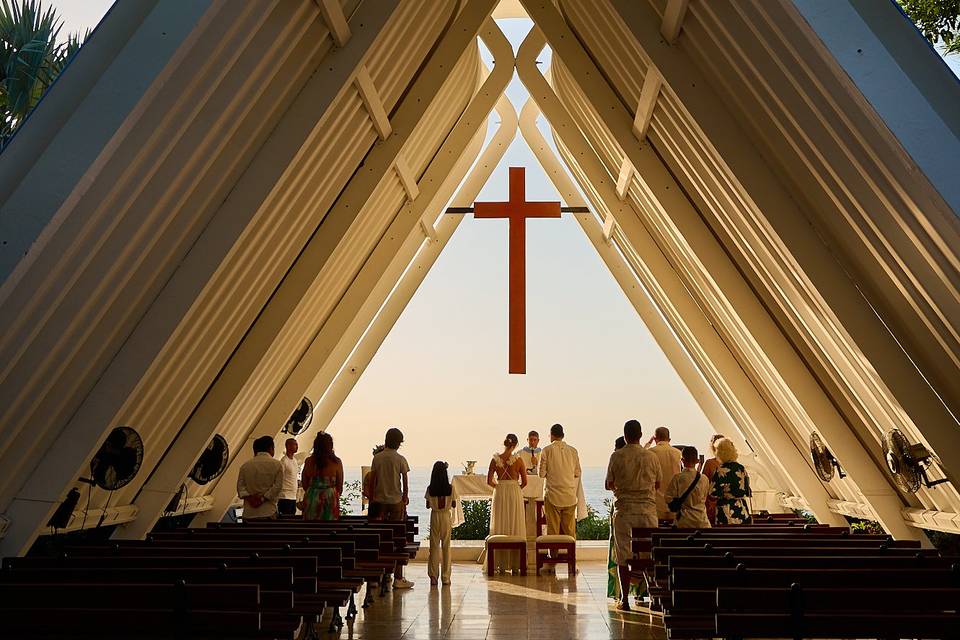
375, 557
829, 612
106, 610
328, 588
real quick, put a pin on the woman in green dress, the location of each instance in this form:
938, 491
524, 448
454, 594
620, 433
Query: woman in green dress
322, 481
731, 485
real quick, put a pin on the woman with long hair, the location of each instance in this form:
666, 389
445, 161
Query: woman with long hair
507, 515
322, 481
441, 500
710, 467
731, 485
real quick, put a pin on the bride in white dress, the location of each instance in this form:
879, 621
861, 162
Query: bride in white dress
507, 514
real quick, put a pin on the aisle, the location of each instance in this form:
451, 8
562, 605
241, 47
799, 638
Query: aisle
475, 607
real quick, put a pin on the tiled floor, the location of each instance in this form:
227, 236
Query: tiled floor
476, 607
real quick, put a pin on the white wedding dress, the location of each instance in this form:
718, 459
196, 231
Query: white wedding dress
507, 514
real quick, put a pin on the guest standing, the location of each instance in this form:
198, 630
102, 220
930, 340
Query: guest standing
390, 489
560, 467
710, 467
689, 489
731, 485
322, 481
441, 501
669, 458
613, 579
260, 482
287, 505
506, 514
634, 476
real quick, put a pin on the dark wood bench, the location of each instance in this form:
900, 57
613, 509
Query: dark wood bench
326, 588
108, 610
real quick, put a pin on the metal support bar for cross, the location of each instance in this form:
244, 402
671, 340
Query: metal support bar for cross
517, 210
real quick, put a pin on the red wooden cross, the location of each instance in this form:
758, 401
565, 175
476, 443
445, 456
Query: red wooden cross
517, 210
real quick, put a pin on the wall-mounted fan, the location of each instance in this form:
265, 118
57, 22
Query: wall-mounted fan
117, 461
823, 461
908, 463
212, 462
300, 419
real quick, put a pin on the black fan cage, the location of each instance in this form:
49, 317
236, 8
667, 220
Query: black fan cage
300, 419
212, 462
118, 460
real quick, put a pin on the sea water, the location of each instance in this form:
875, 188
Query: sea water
593, 489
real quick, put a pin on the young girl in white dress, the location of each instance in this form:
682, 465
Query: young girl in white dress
441, 500
507, 514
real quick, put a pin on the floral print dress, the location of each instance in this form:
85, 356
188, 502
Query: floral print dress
321, 501
731, 486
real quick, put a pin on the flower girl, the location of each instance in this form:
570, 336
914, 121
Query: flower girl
441, 500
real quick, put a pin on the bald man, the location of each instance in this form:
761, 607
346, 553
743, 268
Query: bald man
669, 457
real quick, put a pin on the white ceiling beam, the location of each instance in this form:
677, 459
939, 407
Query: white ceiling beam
734, 305
673, 17
609, 224
373, 103
624, 178
661, 325
846, 340
320, 251
335, 393
648, 100
67, 455
407, 179
332, 14
462, 34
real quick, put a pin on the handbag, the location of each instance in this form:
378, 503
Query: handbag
676, 504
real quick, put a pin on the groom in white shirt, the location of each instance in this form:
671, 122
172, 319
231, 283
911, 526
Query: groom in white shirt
560, 467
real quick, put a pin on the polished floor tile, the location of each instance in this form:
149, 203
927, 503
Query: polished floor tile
476, 607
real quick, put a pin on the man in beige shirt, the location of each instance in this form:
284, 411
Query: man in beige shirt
634, 477
560, 467
669, 457
260, 482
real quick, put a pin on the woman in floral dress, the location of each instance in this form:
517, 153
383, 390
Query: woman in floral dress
322, 481
731, 485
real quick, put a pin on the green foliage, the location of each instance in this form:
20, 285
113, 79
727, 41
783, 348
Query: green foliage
350, 495
864, 526
476, 521
31, 58
938, 20
594, 526
806, 515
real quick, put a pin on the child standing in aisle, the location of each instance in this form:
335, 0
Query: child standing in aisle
441, 500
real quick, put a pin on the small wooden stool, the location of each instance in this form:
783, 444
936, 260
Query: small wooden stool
567, 544
506, 543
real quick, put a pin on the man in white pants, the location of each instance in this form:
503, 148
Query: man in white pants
560, 467
634, 476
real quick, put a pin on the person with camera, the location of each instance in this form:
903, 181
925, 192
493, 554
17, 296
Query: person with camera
686, 493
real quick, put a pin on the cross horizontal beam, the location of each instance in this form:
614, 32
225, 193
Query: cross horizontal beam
562, 210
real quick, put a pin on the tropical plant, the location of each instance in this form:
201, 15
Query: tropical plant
594, 526
31, 58
476, 521
350, 495
938, 21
